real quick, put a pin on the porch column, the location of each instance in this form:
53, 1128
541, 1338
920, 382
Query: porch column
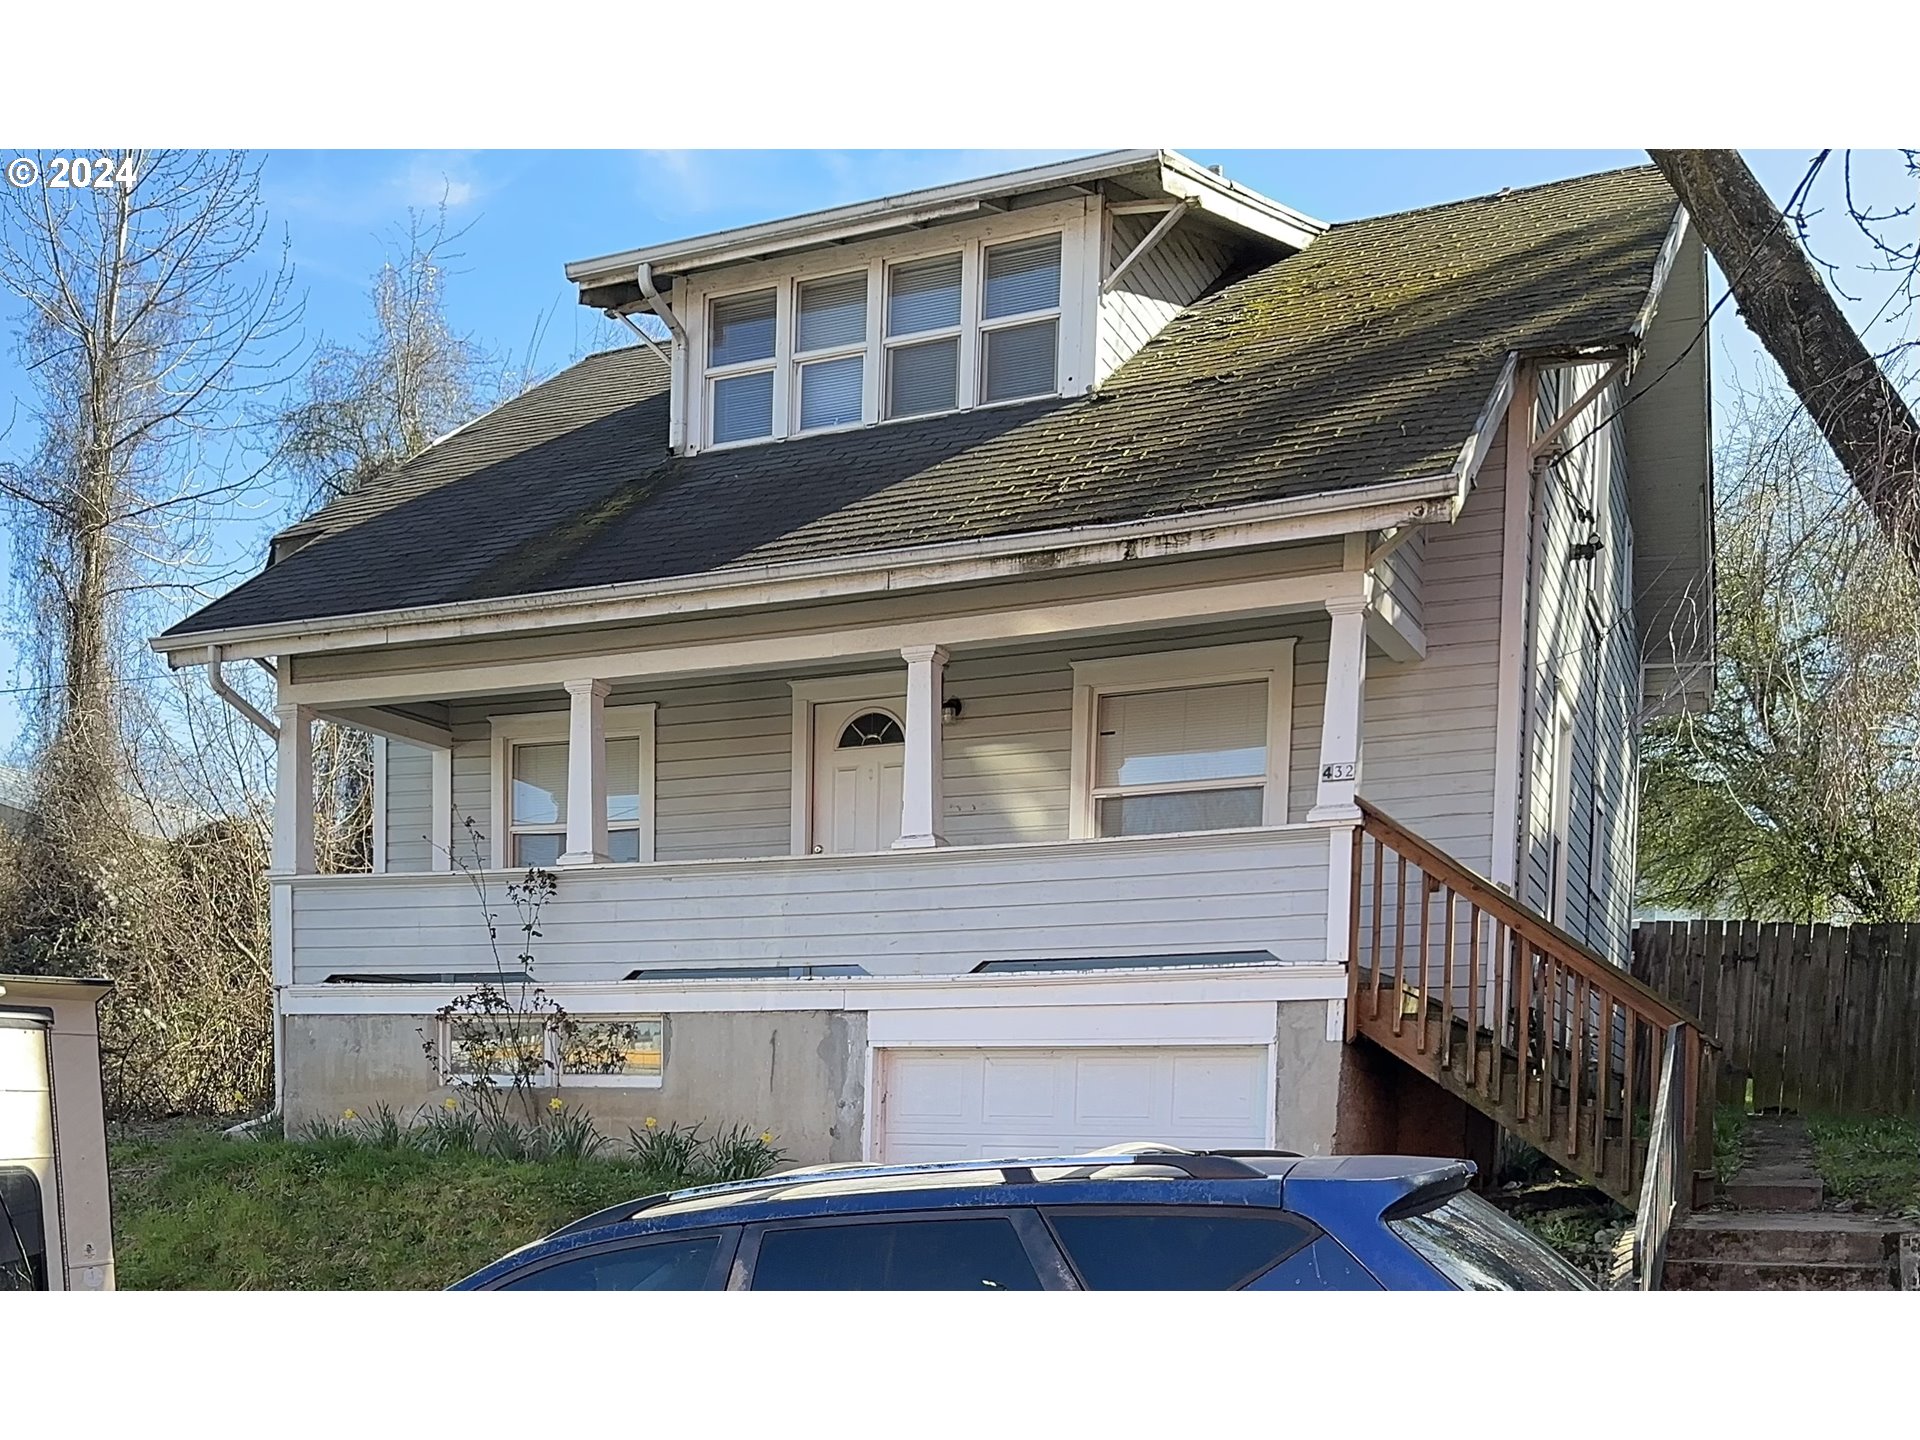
293, 792
586, 773
1340, 724
920, 779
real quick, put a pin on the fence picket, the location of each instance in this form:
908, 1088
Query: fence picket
1817, 1017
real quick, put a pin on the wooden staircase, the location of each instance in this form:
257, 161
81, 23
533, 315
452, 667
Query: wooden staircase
1500, 1007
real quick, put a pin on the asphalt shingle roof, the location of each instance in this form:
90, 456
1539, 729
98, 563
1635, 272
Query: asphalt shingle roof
1364, 359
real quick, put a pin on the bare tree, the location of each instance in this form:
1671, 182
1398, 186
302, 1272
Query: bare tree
363, 412
1793, 796
1856, 406
150, 315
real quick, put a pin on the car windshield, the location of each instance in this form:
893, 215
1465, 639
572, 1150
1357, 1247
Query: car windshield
1478, 1248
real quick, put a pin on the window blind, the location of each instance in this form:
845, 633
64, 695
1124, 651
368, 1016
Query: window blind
830, 392
1162, 737
924, 296
1020, 360
742, 407
923, 378
832, 313
1021, 278
742, 329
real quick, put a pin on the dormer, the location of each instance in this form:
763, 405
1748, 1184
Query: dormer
1018, 287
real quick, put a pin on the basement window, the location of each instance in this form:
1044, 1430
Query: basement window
599, 1050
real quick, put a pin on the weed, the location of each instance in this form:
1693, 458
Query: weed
738, 1153
1869, 1161
670, 1149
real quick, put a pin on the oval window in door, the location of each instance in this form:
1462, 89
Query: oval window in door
876, 727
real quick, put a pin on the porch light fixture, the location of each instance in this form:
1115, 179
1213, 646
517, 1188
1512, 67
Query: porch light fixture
950, 710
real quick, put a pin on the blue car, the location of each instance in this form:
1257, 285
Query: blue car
1134, 1218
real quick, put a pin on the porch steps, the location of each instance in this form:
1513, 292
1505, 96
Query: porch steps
1783, 1250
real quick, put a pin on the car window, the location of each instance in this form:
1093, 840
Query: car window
664, 1265
1322, 1265
1478, 1248
971, 1253
1216, 1249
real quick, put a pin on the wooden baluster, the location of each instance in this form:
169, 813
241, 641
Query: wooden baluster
1379, 884
1502, 990
1603, 1076
1473, 995
1426, 990
1400, 947
1523, 998
1549, 1043
1626, 1102
1576, 1061
1446, 978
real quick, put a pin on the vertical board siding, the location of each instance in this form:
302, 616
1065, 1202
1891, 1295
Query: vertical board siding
903, 913
1584, 657
1822, 1019
1428, 730
409, 817
1164, 281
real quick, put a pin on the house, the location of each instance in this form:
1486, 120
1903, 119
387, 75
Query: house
986, 682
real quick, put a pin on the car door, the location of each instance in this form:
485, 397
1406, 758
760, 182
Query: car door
681, 1260
1004, 1249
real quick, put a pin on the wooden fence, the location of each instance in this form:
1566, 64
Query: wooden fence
1819, 1018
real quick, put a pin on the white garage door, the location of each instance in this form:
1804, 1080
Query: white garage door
980, 1104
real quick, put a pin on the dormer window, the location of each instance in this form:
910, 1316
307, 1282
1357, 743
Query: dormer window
898, 337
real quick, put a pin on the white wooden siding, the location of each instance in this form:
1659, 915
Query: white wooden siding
409, 817
1584, 655
1164, 281
1402, 575
899, 913
1427, 735
723, 763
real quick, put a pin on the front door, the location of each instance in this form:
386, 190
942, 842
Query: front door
859, 755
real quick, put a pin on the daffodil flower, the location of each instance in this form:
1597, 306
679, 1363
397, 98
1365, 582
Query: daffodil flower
346, 1114
652, 1123
450, 1103
556, 1105
766, 1137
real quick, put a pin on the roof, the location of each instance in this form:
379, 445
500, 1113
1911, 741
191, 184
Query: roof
1156, 174
1364, 360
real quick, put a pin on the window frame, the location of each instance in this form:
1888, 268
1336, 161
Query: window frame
1043, 1252
717, 1275
984, 326
554, 1077
1308, 1232
879, 257
1094, 679
711, 375
636, 721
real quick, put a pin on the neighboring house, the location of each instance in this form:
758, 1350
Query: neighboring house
947, 682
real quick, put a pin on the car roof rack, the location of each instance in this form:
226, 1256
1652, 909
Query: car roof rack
1194, 1164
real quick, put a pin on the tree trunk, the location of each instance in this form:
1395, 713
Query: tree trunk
1785, 304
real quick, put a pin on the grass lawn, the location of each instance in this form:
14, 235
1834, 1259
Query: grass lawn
196, 1211
1872, 1162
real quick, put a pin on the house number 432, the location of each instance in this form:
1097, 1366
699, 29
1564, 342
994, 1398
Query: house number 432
1342, 771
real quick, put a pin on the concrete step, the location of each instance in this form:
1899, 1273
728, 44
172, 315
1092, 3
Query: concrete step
1775, 1275
1751, 1190
1791, 1236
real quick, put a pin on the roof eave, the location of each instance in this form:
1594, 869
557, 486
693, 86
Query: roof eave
1173, 174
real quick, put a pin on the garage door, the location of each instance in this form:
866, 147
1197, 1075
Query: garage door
978, 1104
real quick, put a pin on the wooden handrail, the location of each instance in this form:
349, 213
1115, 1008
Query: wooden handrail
1510, 911
1534, 1027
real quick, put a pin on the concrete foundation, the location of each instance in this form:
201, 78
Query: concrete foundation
799, 1073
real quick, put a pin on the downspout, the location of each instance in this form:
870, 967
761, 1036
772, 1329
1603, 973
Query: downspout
657, 303
217, 680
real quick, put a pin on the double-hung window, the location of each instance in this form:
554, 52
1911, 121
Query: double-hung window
923, 336
830, 351
1020, 320
740, 346
1182, 741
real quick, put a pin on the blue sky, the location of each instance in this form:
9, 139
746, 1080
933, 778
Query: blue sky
526, 213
